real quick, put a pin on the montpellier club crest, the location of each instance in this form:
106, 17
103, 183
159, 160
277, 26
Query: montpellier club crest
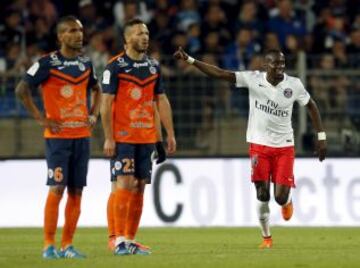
66, 91
135, 93
152, 70
81, 67
288, 92
117, 165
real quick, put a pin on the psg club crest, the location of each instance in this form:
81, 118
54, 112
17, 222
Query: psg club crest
288, 93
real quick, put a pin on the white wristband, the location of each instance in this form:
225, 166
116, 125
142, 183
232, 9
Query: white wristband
190, 60
321, 136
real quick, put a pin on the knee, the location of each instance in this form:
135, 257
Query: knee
263, 195
281, 199
125, 182
75, 191
58, 190
139, 186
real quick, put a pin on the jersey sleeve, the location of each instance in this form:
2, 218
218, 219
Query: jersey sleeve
93, 78
241, 79
159, 87
110, 80
303, 96
37, 73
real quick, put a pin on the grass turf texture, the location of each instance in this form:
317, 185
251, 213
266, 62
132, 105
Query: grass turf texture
194, 247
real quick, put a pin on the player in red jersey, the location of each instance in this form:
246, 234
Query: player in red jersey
269, 133
131, 88
66, 78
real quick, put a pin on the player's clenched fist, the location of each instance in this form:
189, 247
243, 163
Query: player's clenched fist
180, 54
171, 145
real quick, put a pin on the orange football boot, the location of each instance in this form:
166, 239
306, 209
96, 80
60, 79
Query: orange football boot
287, 211
266, 243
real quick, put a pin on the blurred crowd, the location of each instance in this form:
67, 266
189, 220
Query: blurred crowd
229, 33
233, 31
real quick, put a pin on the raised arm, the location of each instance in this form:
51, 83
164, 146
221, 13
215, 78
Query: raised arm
106, 119
210, 70
23, 93
165, 113
317, 124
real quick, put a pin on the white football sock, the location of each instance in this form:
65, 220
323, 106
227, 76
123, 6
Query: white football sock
263, 216
119, 239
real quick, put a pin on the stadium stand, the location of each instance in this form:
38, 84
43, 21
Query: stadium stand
321, 38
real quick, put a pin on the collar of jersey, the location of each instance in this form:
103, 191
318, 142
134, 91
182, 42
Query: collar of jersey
130, 59
269, 84
62, 57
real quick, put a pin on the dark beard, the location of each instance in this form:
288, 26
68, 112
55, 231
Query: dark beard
139, 50
80, 48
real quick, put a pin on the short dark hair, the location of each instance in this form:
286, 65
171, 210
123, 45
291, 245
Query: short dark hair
64, 20
272, 52
130, 23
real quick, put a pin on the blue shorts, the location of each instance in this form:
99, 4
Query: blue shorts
67, 161
132, 159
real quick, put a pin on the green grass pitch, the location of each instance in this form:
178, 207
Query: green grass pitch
194, 247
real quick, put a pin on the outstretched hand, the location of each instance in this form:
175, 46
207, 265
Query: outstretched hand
180, 54
171, 145
109, 147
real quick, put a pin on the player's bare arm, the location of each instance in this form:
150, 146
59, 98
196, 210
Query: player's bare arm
106, 119
317, 124
208, 69
95, 105
165, 113
23, 93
